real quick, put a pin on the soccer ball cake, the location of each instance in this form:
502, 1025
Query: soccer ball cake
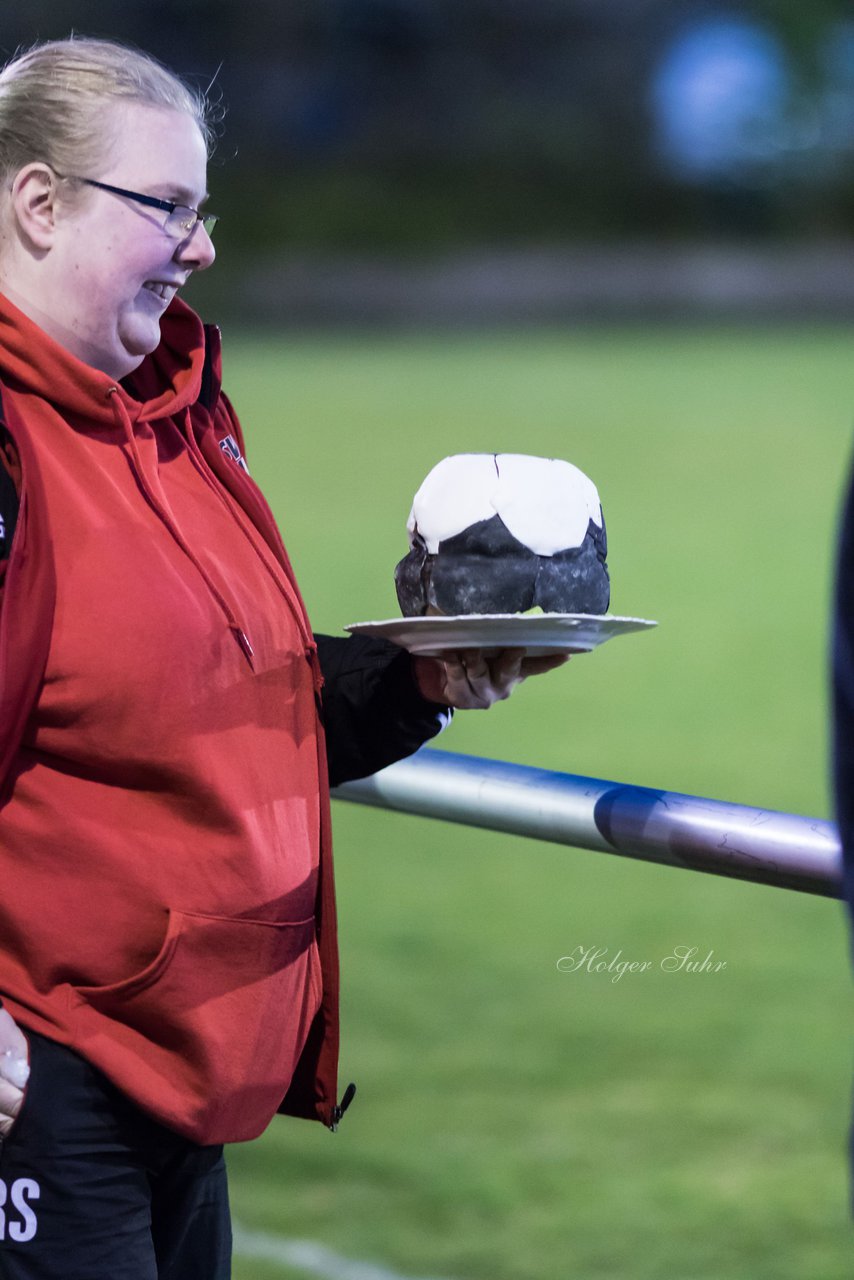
504, 533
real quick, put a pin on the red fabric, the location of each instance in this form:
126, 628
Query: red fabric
168, 905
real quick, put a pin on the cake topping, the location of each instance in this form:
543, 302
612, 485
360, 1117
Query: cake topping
503, 533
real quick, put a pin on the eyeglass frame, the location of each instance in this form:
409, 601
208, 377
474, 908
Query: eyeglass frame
208, 220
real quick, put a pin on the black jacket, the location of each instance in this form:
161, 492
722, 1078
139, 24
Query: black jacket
843, 692
372, 711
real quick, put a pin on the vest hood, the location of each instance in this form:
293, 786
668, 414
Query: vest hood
167, 382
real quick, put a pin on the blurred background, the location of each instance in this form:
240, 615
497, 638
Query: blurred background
426, 159
619, 232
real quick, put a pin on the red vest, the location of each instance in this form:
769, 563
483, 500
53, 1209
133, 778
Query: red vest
168, 906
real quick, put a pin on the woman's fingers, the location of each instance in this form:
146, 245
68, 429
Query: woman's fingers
501, 674
539, 666
476, 681
13, 1042
14, 1070
471, 679
466, 680
10, 1104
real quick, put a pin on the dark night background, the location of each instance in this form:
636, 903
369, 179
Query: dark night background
366, 139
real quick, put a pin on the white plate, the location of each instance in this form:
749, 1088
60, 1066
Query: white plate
538, 634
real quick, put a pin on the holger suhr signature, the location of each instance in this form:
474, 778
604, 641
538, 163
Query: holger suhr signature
681, 959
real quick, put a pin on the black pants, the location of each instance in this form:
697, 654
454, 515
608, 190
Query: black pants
93, 1189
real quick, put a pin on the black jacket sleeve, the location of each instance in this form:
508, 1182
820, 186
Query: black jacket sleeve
372, 711
843, 694
9, 502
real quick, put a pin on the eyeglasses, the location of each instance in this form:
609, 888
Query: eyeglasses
182, 218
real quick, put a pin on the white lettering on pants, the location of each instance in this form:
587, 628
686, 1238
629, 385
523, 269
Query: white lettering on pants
16, 1216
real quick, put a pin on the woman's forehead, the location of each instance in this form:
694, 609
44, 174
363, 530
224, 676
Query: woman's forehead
160, 146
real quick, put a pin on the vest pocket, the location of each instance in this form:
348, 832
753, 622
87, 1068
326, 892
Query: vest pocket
206, 1037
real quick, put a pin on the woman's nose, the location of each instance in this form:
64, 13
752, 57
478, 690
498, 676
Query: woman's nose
196, 250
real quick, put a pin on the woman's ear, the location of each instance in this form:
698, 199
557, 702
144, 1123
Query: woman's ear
34, 201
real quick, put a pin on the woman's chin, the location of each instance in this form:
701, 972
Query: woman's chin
140, 335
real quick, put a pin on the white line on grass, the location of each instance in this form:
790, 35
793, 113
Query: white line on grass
311, 1257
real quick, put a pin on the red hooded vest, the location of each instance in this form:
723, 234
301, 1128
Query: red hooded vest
167, 907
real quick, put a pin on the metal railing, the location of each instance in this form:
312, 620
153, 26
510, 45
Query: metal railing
611, 817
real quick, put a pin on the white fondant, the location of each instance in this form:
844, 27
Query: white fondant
457, 493
546, 503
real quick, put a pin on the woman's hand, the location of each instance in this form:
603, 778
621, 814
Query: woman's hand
472, 679
14, 1070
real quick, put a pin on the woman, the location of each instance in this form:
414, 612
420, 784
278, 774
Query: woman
167, 926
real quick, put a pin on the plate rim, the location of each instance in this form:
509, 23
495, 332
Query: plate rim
554, 638
441, 620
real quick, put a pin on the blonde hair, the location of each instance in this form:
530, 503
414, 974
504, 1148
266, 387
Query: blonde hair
53, 98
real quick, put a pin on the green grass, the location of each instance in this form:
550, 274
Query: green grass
514, 1122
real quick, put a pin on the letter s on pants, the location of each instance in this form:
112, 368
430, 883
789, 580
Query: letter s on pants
22, 1190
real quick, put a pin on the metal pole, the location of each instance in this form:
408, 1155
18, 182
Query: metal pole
612, 817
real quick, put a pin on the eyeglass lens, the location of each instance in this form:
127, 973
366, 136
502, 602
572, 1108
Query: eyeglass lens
183, 220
